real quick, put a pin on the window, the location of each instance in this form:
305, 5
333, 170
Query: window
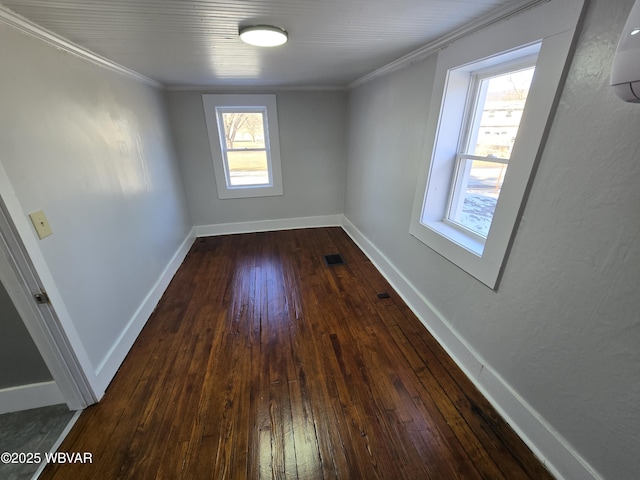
243, 136
481, 163
245, 151
495, 90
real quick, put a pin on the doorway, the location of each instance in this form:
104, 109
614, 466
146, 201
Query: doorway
42, 385
23, 367
34, 417
24, 288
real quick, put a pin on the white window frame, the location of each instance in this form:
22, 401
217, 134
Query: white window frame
265, 103
469, 127
546, 30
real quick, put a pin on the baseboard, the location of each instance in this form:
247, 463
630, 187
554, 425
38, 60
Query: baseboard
26, 397
268, 225
548, 445
112, 361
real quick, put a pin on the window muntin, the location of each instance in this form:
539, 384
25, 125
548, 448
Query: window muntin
245, 146
481, 165
546, 31
244, 142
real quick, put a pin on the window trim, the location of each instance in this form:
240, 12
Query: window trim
243, 102
470, 128
549, 28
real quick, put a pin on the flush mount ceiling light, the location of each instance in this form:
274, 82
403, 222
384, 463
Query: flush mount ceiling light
263, 35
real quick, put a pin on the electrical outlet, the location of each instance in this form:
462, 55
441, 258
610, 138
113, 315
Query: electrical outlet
41, 224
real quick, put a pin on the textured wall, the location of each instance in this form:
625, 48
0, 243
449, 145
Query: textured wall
312, 142
563, 328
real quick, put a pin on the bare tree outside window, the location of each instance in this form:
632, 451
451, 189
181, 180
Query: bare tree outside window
233, 122
246, 153
254, 126
245, 148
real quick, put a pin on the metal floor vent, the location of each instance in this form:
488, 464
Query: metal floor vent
333, 259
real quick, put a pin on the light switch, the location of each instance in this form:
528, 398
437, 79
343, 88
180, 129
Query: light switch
41, 224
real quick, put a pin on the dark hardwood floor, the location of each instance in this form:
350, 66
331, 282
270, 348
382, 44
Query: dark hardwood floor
263, 362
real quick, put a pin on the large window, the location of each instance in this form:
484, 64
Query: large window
494, 93
243, 135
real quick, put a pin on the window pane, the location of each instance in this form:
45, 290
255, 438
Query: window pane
500, 112
248, 168
481, 184
244, 130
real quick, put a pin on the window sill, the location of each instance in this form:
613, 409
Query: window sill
549, 30
465, 251
252, 191
458, 236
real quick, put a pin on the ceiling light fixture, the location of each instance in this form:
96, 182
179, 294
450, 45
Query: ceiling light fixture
263, 35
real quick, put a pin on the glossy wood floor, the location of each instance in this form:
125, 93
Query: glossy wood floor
262, 362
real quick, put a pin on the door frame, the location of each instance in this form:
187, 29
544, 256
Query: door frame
21, 280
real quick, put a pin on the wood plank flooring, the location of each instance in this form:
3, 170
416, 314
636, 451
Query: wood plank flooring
262, 362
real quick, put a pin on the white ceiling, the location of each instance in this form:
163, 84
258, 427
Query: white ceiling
195, 42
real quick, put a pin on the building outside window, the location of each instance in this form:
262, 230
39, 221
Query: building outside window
494, 92
482, 162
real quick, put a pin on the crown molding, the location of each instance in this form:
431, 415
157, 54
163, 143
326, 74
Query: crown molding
423, 52
11, 18
255, 88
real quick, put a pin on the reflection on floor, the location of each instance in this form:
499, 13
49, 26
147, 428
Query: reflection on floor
31, 431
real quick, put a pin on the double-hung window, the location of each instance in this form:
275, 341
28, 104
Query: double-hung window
245, 145
496, 102
243, 136
494, 93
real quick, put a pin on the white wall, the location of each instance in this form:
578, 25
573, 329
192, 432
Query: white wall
312, 129
93, 149
563, 328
